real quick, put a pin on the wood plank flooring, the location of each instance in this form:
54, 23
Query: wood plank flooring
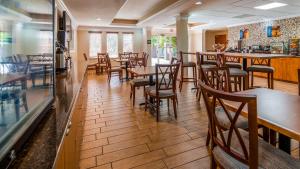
119, 136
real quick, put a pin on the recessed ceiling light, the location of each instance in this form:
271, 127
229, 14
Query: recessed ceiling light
198, 3
270, 6
98, 19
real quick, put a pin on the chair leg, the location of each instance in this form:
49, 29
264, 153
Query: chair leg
174, 107
240, 83
133, 96
131, 91
272, 80
213, 164
146, 101
157, 109
207, 138
168, 101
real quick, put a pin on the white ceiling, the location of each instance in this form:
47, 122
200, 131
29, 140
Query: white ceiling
36, 6
160, 13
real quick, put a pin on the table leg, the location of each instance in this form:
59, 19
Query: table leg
285, 143
245, 64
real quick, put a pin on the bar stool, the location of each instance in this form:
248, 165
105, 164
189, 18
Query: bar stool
262, 66
236, 73
187, 65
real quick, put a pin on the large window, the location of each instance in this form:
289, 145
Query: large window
45, 41
112, 44
95, 44
127, 42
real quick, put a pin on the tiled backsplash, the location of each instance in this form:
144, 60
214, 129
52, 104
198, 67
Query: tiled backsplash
258, 32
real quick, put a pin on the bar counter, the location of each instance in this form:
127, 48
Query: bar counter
286, 66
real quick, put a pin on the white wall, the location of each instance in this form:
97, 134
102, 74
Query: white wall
195, 43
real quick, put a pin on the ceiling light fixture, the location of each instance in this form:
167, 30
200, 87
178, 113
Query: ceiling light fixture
270, 6
198, 3
98, 19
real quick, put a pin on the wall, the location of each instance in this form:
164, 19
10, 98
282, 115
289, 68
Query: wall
258, 33
210, 37
195, 42
83, 38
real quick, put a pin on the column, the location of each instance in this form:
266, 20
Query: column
182, 36
147, 33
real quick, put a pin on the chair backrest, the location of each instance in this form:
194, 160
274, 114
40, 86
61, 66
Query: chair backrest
132, 62
232, 59
101, 58
85, 57
145, 57
185, 54
124, 55
216, 77
262, 62
133, 55
299, 82
108, 63
166, 76
222, 136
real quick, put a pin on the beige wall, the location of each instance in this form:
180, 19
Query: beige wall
210, 38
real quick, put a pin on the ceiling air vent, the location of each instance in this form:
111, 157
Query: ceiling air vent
243, 16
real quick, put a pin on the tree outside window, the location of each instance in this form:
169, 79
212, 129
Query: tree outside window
112, 44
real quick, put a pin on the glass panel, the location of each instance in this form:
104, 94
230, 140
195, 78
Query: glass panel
26, 66
127, 42
163, 49
112, 45
95, 44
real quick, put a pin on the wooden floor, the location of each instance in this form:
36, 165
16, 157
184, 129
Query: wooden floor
119, 136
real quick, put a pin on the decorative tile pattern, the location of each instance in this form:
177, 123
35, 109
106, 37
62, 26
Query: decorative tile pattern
258, 32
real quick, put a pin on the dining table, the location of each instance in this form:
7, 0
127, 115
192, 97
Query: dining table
12, 78
277, 111
126, 61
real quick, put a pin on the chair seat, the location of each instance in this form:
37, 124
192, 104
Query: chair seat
224, 121
260, 68
139, 82
234, 65
268, 156
162, 93
102, 65
237, 72
189, 64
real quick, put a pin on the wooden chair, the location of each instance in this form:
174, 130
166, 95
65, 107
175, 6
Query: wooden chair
165, 88
219, 79
112, 70
262, 66
102, 61
236, 148
186, 65
92, 65
125, 55
233, 62
143, 61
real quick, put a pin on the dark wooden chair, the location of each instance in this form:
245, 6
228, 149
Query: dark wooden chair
184, 66
219, 79
236, 148
165, 88
102, 61
233, 62
92, 65
262, 66
112, 71
143, 61
125, 55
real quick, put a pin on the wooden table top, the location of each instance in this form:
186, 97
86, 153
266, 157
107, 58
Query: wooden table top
276, 110
251, 55
8, 78
143, 71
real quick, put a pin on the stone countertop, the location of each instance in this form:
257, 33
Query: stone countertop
41, 148
251, 55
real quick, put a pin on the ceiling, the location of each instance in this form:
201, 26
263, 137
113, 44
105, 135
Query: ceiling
162, 13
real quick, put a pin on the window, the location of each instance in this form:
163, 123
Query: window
112, 44
128, 42
95, 44
45, 41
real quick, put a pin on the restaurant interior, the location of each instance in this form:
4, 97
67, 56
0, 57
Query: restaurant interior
156, 84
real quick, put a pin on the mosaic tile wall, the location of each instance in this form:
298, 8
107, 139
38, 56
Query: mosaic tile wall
258, 32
